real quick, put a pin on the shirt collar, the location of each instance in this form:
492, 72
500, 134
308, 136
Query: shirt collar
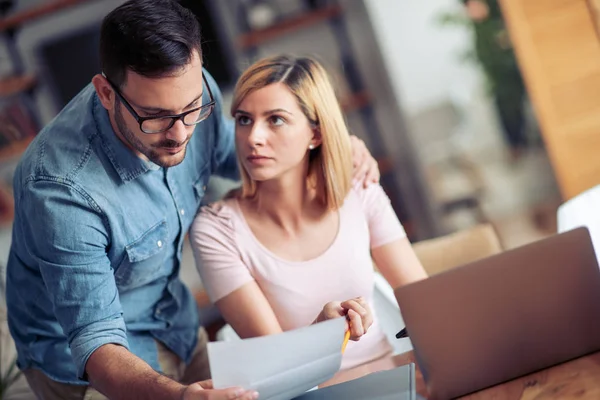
127, 164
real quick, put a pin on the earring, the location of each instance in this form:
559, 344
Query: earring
311, 146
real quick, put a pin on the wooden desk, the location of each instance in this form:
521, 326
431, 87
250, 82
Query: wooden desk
577, 379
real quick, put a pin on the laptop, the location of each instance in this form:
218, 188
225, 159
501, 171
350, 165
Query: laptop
505, 316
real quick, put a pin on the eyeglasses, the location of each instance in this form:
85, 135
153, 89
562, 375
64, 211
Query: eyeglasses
165, 122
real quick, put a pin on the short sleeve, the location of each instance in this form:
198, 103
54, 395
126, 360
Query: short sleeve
217, 255
384, 226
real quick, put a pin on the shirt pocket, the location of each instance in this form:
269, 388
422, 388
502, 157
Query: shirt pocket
144, 258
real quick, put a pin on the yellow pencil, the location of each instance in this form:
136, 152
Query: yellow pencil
346, 338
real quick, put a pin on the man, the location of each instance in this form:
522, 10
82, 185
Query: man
104, 197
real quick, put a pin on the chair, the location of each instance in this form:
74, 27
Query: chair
440, 254
437, 255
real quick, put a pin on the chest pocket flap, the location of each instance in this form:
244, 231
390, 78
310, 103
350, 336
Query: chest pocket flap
150, 243
145, 258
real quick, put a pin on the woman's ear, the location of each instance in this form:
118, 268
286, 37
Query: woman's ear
317, 139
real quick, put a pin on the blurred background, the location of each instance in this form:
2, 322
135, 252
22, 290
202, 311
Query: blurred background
480, 112
433, 87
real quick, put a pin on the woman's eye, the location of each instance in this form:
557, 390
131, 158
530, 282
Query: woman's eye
243, 120
277, 121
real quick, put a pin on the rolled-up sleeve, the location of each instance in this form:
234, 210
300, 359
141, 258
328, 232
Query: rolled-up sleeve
68, 238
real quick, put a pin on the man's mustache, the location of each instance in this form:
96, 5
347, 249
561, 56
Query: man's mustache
171, 143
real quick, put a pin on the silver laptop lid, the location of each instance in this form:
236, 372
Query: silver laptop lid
505, 316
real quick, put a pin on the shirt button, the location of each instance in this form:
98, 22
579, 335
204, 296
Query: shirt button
159, 243
182, 211
204, 188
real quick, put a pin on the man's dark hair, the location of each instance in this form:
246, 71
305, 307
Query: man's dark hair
153, 38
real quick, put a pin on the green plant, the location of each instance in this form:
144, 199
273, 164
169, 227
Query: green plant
492, 49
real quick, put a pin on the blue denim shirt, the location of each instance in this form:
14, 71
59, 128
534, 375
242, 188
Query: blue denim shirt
97, 240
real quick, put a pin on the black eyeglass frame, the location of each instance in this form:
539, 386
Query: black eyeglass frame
174, 118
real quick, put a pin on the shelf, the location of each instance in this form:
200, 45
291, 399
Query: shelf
14, 149
33, 13
257, 37
16, 84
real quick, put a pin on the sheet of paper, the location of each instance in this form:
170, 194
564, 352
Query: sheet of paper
582, 210
280, 366
395, 384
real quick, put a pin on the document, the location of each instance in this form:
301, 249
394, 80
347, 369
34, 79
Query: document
281, 366
395, 384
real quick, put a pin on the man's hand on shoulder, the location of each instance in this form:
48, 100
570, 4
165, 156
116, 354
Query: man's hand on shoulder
366, 169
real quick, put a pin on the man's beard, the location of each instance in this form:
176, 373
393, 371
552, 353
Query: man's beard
152, 155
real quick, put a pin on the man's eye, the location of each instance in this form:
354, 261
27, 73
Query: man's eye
158, 114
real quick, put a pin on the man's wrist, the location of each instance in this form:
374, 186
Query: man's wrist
177, 390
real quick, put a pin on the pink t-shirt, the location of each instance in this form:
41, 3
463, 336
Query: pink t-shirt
228, 255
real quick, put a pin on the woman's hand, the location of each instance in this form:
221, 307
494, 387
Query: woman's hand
357, 312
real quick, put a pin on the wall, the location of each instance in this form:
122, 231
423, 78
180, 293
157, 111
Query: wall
374, 67
441, 93
318, 40
421, 56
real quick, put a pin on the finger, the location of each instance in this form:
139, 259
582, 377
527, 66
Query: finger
356, 326
362, 301
249, 395
361, 307
359, 150
229, 394
356, 323
331, 310
358, 155
367, 320
373, 174
360, 172
207, 384
367, 316
355, 305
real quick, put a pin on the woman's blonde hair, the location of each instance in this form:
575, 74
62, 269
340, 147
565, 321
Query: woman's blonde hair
330, 164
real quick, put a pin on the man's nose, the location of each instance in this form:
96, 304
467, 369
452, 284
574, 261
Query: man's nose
178, 132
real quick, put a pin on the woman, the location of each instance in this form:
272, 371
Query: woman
298, 234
